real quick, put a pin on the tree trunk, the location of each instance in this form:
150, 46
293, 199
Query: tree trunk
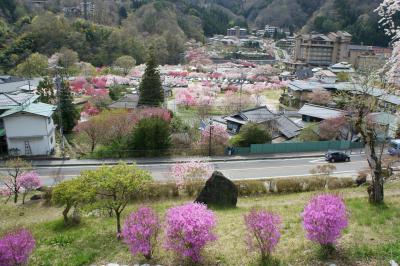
15, 196
118, 215
375, 190
65, 213
23, 198
92, 146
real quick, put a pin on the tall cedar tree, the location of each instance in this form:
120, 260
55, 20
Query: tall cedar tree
150, 88
69, 113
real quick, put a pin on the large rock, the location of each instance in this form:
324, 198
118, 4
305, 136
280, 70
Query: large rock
218, 191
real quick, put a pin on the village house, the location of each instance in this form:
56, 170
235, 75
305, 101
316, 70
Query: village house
26, 127
280, 126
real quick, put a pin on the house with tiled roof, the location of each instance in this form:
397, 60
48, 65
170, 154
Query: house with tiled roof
279, 125
26, 126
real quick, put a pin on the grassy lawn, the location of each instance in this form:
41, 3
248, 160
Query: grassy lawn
372, 238
273, 95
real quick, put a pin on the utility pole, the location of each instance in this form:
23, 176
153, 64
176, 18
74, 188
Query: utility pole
85, 11
210, 138
59, 82
240, 92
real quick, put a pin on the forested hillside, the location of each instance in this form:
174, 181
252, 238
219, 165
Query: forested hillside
132, 26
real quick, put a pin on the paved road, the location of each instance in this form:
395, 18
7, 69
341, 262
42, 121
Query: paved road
251, 169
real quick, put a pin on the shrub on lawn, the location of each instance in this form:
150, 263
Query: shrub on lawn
336, 183
189, 229
191, 176
16, 247
324, 218
262, 231
288, 185
313, 183
156, 190
140, 232
251, 187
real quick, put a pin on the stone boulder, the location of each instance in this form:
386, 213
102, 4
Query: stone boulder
218, 191
36, 197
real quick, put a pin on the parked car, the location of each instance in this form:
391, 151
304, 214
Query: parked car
337, 156
394, 148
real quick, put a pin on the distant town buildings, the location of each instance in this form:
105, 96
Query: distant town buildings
270, 30
317, 49
237, 32
84, 8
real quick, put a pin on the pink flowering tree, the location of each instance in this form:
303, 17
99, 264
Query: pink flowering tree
185, 97
189, 228
389, 10
263, 231
188, 174
324, 219
219, 136
140, 232
90, 109
16, 247
162, 113
29, 181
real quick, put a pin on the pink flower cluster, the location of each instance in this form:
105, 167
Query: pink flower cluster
16, 247
29, 180
141, 230
219, 135
189, 228
196, 95
192, 170
176, 74
263, 232
324, 218
153, 112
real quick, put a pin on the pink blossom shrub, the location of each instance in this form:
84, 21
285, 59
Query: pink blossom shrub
324, 218
262, 231
219, 135
16, 247
140, 232
28, 181
189, 229
191, 171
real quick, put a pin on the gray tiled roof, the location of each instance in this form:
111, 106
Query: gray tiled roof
9, 101
41, 109
321, 112
287, 127
8, 87
129, 101
261, 114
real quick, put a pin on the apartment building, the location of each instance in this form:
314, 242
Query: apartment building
317, 49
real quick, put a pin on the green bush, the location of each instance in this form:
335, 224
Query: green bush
151, 136
192, 187
313, 183
251, 187
335, 183
288, 185
251, 133
158, 191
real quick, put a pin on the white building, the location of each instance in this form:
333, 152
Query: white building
272, 29
28, 127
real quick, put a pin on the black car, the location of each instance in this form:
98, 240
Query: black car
337, 156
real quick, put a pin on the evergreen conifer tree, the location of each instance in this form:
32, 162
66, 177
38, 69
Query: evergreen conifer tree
150, 88
67, 110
